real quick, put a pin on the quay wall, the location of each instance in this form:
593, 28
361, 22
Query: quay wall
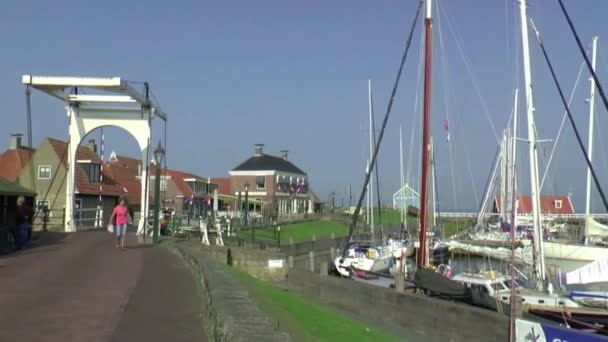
422, 318
415, 317
253, 261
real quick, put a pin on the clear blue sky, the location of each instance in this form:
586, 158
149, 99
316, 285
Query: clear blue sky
293, 75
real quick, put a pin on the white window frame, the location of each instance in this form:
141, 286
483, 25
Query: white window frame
40, 169
257, 186
163, 184
558, 204
40, 204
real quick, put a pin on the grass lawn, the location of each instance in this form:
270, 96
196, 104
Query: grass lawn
298, 231
304, 320
451, 226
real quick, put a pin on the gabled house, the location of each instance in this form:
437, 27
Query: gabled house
49, 163
274, 180
126, 172
14, 159
560, 205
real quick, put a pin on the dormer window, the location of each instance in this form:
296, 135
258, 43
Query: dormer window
558, 204
91, 169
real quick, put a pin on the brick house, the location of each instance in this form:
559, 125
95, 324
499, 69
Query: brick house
560, 205
49, 164
184, 193
273, 180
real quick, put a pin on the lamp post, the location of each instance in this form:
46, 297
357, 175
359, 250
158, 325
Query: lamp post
159, 153
246, 216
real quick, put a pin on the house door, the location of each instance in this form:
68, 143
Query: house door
77, 212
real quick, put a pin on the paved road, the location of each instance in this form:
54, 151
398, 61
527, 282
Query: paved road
82, 288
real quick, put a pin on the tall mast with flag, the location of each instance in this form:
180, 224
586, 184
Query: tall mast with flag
423, 259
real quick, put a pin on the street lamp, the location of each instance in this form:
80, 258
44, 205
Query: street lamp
159, 153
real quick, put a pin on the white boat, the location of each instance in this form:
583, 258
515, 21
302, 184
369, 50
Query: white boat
497, 286
575, 252
363, 256
400, 248
522, 255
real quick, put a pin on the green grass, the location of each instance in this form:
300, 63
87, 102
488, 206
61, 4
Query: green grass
451, 226
299, 232
304, 320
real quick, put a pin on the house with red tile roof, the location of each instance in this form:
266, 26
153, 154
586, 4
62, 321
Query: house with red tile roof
560, 205
14, 158
184, 193
181, 192
49, 165
126, 171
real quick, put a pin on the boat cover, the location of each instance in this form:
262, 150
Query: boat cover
594, 272
438, 284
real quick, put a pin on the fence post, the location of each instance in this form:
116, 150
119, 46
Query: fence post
399, 282
279, 235
332, 252
323, 269
291, 261
311, 260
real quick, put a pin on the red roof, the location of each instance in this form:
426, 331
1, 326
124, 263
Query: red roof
83, 185
13, 161
548, 205
125, 171
179, 179
223, 185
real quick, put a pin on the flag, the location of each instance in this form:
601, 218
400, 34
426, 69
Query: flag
446, 127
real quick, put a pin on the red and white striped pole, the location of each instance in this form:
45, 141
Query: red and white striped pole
100, 200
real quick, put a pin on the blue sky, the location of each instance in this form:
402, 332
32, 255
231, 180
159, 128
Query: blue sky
293, 75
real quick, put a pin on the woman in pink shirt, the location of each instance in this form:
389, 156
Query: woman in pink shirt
120, 219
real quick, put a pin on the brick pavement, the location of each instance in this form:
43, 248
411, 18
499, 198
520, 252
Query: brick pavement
82, 288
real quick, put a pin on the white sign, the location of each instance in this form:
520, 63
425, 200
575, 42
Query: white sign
275, 263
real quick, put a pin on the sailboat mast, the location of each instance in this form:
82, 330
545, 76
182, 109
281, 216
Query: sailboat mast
513, 161
368, 193
590, 143
426, 132
401, 174
539, 262
371, 152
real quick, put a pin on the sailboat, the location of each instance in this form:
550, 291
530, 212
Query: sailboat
366, 256
595, 232
539, 299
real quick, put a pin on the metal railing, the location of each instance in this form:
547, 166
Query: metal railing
554, 216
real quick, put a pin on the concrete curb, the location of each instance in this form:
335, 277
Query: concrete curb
231, 315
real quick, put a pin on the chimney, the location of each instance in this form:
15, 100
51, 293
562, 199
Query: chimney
284, 155
259, 150
15, 141
92, 145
